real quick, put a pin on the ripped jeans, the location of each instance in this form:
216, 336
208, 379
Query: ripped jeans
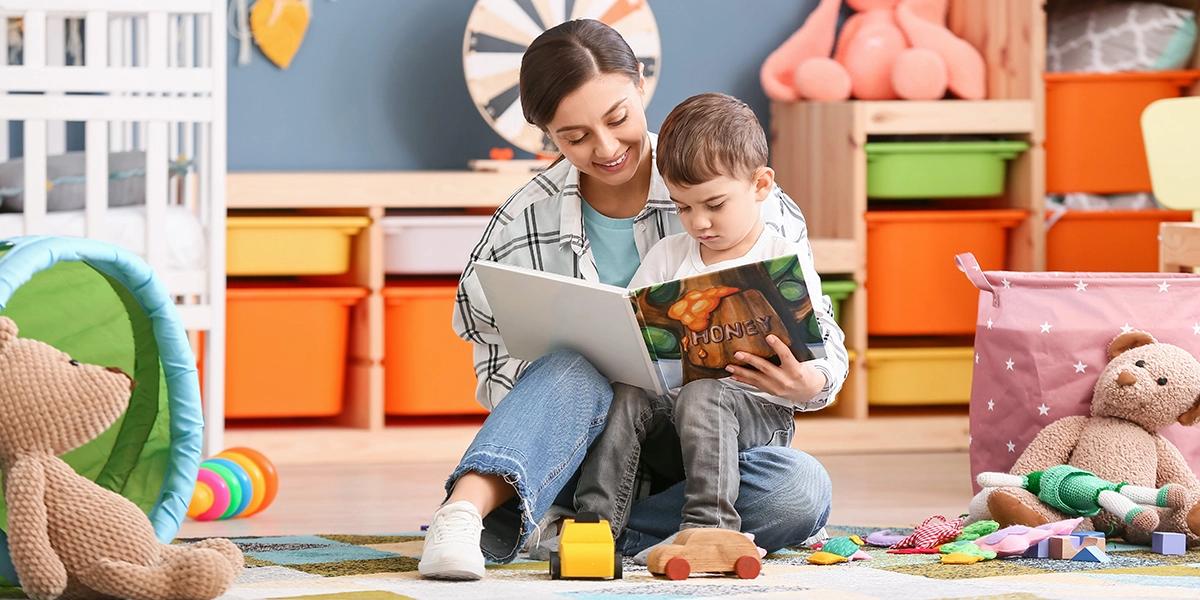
536, 440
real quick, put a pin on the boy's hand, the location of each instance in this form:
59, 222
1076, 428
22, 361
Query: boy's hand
792, 379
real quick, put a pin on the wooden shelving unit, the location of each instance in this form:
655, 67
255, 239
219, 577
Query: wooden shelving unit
818, 152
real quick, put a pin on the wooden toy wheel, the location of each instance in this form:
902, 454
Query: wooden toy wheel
746, 567
555, 566
677, 568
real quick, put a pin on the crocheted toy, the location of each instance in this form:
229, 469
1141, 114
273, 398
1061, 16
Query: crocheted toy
68, 536
1146, 386
1076, 492
889, 49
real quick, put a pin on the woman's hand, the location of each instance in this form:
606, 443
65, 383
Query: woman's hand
792, 379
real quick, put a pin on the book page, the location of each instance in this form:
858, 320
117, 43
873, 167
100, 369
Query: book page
538, 313
694, 326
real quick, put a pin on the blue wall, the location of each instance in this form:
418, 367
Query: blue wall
378, 84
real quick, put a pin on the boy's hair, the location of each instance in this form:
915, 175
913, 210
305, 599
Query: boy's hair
707, 136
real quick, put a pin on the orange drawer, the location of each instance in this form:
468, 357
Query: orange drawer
286, 350
1094, 132
427, 368
1100, 241
913, 287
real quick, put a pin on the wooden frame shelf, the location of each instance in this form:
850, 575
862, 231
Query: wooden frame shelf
818, 151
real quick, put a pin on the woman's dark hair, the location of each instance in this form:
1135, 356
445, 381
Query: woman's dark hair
565, 57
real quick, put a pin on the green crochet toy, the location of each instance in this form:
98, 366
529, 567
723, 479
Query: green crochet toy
1079, 493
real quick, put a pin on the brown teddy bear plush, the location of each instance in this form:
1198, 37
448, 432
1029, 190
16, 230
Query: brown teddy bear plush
67, 536
1145, 387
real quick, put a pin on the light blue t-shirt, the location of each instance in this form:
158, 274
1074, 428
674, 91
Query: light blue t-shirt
613, 247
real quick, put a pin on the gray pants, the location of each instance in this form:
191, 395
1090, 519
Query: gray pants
714, 421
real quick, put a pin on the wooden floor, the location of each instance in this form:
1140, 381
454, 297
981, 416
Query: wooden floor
898, 489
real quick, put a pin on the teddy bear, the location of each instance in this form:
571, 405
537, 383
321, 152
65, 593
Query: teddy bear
67, 536
1112, 466
889, 49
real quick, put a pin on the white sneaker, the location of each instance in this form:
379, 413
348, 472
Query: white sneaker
452, 544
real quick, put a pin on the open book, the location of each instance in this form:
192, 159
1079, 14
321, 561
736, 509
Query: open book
659, 337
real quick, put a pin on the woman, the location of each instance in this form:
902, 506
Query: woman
592, 215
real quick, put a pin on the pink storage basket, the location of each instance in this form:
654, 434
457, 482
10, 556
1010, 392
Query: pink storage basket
1041, 341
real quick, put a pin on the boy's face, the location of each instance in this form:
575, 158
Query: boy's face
722, 213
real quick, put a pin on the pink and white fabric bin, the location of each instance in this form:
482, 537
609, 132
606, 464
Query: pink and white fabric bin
1041, 341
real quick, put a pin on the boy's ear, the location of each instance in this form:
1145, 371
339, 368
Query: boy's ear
764, 180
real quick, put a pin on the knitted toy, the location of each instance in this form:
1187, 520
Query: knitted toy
889, 49
1076, 492
1145, 387
67, 536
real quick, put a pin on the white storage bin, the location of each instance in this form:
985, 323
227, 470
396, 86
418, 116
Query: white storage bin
430, 245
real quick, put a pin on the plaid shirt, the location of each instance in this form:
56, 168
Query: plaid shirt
541, 227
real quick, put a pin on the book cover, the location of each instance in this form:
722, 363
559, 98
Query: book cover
692, 327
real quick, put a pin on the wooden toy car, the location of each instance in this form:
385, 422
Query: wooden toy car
704, 550
586, 550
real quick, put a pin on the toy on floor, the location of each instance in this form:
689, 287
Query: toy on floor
885, 538
1091, 554
1077, 492
1016, 540
967, 547
838, 549
238, 482
586, 550
889, 49
706, 550
1171, 544
66, 534
1146, 387
931, 533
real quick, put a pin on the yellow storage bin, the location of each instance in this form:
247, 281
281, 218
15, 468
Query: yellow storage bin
291, 245
914, 376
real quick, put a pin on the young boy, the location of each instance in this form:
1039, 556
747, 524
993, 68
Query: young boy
712, 155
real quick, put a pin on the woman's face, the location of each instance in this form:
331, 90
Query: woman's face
601, 128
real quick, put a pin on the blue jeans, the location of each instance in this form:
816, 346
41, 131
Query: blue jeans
538, 435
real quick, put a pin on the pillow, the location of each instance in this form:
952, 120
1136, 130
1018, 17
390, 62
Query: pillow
67, 185
1091, 37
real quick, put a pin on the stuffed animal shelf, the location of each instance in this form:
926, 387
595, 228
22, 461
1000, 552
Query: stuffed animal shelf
889, 49
1113, 468
67, 536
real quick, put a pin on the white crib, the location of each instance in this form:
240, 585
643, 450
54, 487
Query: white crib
140, 75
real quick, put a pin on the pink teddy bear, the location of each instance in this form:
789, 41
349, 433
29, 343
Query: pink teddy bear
889, 49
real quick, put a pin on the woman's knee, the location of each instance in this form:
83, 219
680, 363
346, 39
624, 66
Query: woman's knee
566, 373
787, 494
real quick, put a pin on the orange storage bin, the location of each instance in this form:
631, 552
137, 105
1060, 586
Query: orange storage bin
1093, 128
427, 369
913, 287
287, 349
1118, 240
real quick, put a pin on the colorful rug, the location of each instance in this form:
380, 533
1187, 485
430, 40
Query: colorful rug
384, 568
316, 567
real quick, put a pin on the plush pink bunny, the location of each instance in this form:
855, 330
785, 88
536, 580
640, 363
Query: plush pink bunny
888, 49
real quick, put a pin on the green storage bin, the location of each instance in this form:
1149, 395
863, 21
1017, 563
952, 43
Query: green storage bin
922, 170
838, 291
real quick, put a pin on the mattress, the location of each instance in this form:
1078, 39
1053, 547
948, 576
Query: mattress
126, 227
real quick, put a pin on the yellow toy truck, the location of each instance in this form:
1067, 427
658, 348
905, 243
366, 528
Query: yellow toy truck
586, 550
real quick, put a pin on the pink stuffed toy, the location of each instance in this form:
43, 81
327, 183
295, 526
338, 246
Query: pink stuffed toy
889, 49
